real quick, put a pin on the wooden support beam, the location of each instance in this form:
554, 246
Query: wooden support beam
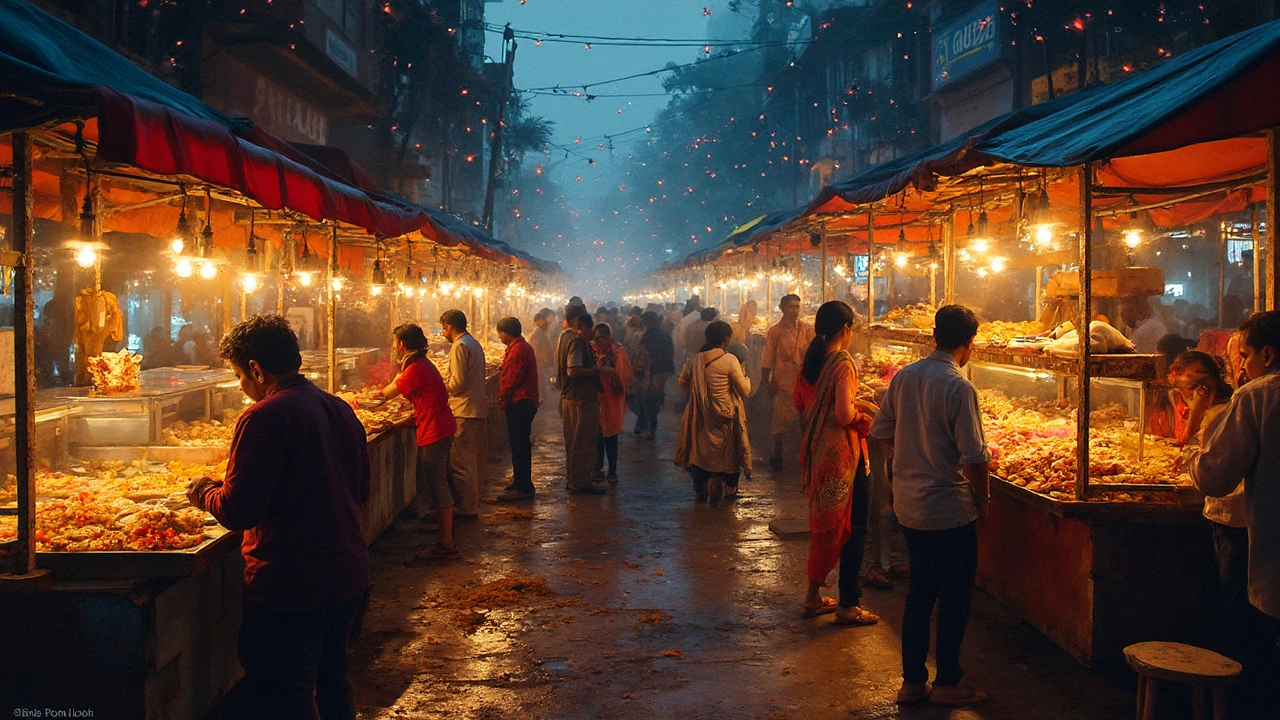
1084, 314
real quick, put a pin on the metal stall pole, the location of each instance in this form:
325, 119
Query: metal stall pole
1273, 216
1257, 259
871, 266
1039, 308
949, 261
823, 230
1222, 270
331, 321
24, 366
1083, 315
768, 291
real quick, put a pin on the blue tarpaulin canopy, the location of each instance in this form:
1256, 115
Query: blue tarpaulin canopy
1222, 90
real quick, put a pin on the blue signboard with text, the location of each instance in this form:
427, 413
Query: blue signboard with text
967, 44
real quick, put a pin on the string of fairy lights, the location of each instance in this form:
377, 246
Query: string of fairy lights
728, 150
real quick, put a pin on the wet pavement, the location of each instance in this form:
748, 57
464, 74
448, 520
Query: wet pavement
646, 604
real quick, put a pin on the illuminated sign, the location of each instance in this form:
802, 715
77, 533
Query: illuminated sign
967, 44
340, 52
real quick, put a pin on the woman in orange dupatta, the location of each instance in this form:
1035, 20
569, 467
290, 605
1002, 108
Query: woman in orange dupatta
833, 459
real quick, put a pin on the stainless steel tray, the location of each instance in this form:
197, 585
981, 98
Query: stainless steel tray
118, 565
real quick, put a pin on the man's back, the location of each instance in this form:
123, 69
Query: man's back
930, 414
296, 479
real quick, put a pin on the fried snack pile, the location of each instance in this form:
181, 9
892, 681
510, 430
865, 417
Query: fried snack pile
919, 316
116, 374
375, 416
200, 433
998, 333
113, 506
1035, 447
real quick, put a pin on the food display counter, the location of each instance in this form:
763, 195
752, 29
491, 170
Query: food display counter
145, 597
1132, 560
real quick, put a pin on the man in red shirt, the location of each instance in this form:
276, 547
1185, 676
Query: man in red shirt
419, 380
296, 479
518, 395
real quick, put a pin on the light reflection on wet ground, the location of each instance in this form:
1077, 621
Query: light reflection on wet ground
663, 607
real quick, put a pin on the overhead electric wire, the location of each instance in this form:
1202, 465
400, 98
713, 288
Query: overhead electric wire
659, 71
579, 95
607, 39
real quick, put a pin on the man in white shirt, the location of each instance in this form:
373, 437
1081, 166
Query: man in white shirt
1146, 329
941, 483
465, 383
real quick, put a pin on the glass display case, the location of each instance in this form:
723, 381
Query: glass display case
1029, 411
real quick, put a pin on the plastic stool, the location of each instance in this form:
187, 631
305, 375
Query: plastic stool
1174, 662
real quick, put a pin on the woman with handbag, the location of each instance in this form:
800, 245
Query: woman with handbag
833, 459
713, 444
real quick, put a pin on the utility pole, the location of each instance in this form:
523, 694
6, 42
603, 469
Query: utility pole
495, 149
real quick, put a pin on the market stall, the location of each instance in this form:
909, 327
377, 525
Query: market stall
142, 225
1071, 212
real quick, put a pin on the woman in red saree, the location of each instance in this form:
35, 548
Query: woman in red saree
613, 398
834, 466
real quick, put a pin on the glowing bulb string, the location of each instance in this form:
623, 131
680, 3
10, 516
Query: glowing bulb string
659, 71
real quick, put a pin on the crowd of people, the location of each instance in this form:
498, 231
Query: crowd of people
924, 440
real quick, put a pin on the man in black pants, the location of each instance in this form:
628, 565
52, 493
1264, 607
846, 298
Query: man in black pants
941, 487
518, 395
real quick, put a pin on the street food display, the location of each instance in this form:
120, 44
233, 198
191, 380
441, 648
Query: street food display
995, 333
1034, 446
1029, 418
199, 433
113, 506
375, 414
116, 374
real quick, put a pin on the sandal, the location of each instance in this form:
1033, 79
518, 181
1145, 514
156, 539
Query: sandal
878, 577
437, 552
846, 617
827, 607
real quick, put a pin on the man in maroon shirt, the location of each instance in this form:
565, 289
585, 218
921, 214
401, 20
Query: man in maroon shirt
518, 395
296, 479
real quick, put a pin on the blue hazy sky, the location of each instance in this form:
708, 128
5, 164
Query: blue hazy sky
571, 65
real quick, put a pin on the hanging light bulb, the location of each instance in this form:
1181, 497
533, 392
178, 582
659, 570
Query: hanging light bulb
250, 282
86, 250
182, 234
998, 264
1132, 238
86, 255
206, 239
208, 270
337, 282
305, 270
87, 219
183, 267
980, 245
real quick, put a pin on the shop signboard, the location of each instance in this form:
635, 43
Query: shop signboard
966, 45
241, 91
340, 52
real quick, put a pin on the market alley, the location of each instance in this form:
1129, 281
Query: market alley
645, 604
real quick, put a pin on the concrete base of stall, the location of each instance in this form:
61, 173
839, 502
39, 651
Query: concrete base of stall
1096, 580
159, 648
393, 460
